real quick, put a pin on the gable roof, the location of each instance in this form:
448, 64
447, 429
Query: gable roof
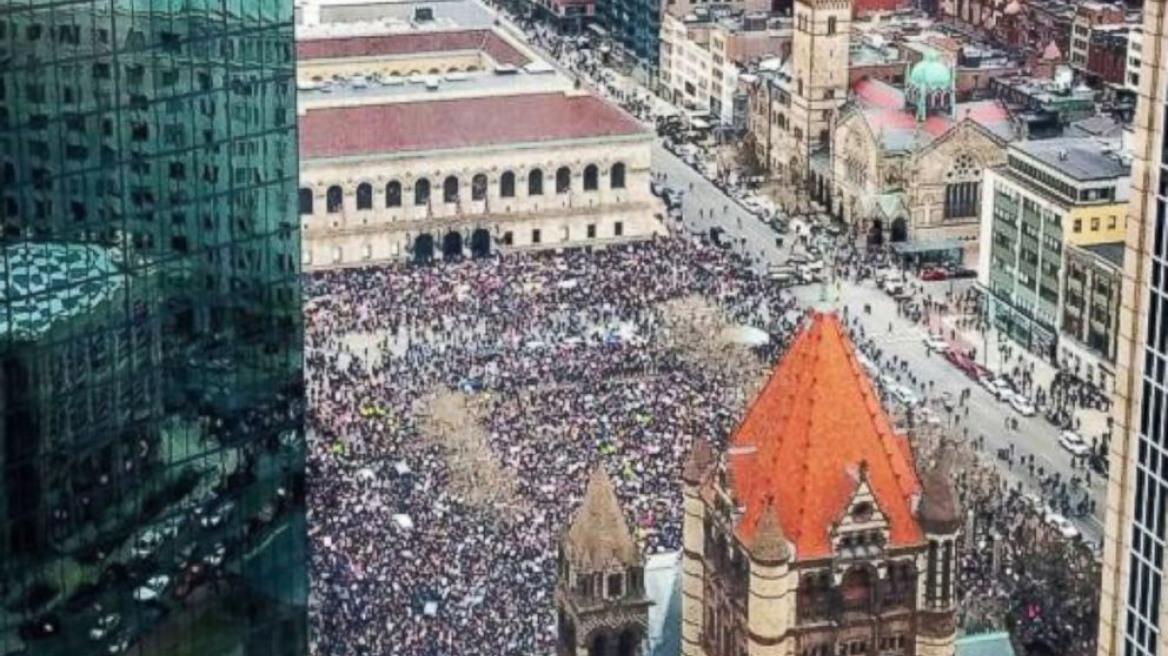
805, 437
598, 537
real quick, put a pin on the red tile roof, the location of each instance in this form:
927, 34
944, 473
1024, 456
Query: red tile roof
803, 439
459, 123
412, 43
862, 7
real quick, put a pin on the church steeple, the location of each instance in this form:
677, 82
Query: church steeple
600, 595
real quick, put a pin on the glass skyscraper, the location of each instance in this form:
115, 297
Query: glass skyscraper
151, 383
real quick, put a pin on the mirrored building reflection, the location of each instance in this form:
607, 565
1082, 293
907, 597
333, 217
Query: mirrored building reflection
151, 384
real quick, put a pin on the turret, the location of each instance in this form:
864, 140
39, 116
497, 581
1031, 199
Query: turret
600, 595
939, 516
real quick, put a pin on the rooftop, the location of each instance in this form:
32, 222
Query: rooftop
383, 45
598, 538
985, 644
45, 283
1081, 158
814, 431
886, 113
1110, 251
338, 16
460, 123
378, 88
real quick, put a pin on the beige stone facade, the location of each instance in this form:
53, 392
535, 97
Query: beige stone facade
589, 211
819, 75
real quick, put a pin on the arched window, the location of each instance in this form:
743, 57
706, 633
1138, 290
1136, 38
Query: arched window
963, 188
393, 194
616, 178
563, 180
535, 183
364, 196
507, 185
334, 199
305, 197
599, 645
478, 187
450, 189
627, 643
857, 588
422, 192
591, 178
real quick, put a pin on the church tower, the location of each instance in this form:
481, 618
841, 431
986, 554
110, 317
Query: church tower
600, 592
819, 75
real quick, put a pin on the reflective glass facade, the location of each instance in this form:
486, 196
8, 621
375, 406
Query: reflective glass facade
151, 384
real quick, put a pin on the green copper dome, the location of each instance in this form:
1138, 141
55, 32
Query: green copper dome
931, 74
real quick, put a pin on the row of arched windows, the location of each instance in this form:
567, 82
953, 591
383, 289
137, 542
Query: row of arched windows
334, 196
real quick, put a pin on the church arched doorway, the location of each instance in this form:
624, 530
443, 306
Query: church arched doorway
452, 245
627, 644
480, 243
899, 230
598, 646
424, 249
876, 233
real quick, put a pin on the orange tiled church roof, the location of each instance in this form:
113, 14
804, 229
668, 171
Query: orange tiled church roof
803, 440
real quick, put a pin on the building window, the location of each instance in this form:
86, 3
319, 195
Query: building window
1077, 226
1112, 222
507, 185
535, 236
618, 228
364, 196
615, 585
591, 178
831, 25
563, 180
305, 201
617, 176
535, 183
962, 188
334, 199
393, 194
1094, 224
422, 192
591, 231
478, 187
450, 189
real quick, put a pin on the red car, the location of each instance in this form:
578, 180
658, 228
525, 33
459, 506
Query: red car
934, 274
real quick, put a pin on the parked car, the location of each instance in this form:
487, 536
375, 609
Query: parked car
1022, 405
153, 588
934, 274
935, 344
1064, 525
104, 626
1003, 389
1071, 441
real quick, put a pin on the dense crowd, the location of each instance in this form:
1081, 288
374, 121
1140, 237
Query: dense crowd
570, 361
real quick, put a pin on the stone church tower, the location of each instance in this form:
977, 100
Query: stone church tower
600, 592
819, 75
812, 535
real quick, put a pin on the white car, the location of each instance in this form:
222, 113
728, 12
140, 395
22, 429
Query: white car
988, 383
153, 588
1022, 405
1064, 525
146, 544
1071, 441
935, 344
1003, 389
905, 396
104, 626
215, 558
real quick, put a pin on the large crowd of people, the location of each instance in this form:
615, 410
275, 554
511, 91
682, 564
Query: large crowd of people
569, 359
570, 362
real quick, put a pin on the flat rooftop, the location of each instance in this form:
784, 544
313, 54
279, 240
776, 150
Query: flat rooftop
1081, 158
394, 15
412, 43
1110, 251
379, 89
386, 128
